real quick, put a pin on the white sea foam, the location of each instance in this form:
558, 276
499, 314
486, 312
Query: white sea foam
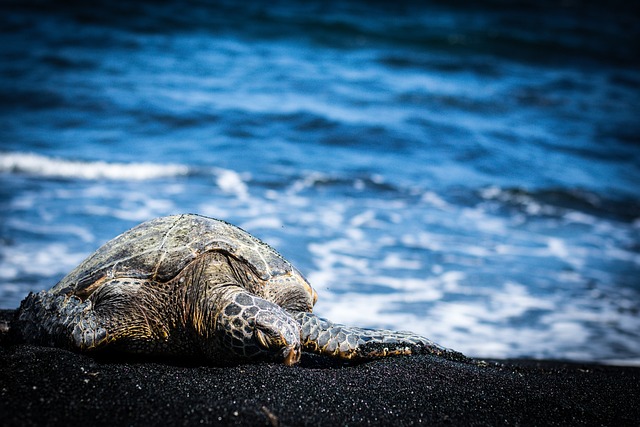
44, 260
39, 165
436, 201
393, 260
71, 230
485, 322
269, 222
231, 182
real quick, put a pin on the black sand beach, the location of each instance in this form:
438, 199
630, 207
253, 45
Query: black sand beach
48, 386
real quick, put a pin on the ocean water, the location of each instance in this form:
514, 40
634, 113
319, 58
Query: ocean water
470, 173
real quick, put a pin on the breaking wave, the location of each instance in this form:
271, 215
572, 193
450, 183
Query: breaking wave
52, 167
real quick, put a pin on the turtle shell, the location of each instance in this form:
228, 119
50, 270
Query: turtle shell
159, 249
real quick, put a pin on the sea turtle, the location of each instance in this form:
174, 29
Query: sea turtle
192, 286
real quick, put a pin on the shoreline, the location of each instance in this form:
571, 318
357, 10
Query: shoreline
50, 386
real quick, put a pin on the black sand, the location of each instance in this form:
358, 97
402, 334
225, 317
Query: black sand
47, 386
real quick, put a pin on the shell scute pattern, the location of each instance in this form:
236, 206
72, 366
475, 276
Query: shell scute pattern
161, 248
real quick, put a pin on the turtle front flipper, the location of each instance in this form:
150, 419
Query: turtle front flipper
326, 338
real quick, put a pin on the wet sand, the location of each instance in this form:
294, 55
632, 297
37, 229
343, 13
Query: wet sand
48, 386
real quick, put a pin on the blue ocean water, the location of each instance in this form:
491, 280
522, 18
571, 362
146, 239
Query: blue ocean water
466, 172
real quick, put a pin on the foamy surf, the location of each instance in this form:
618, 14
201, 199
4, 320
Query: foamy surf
53, 167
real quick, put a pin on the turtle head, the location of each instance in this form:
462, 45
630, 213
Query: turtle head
278, 335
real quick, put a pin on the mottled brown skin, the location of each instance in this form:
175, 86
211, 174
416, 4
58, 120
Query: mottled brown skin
192, 286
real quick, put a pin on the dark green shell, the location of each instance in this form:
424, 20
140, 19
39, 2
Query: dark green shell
159, 249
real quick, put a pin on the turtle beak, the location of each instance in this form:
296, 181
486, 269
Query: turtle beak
291, 355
